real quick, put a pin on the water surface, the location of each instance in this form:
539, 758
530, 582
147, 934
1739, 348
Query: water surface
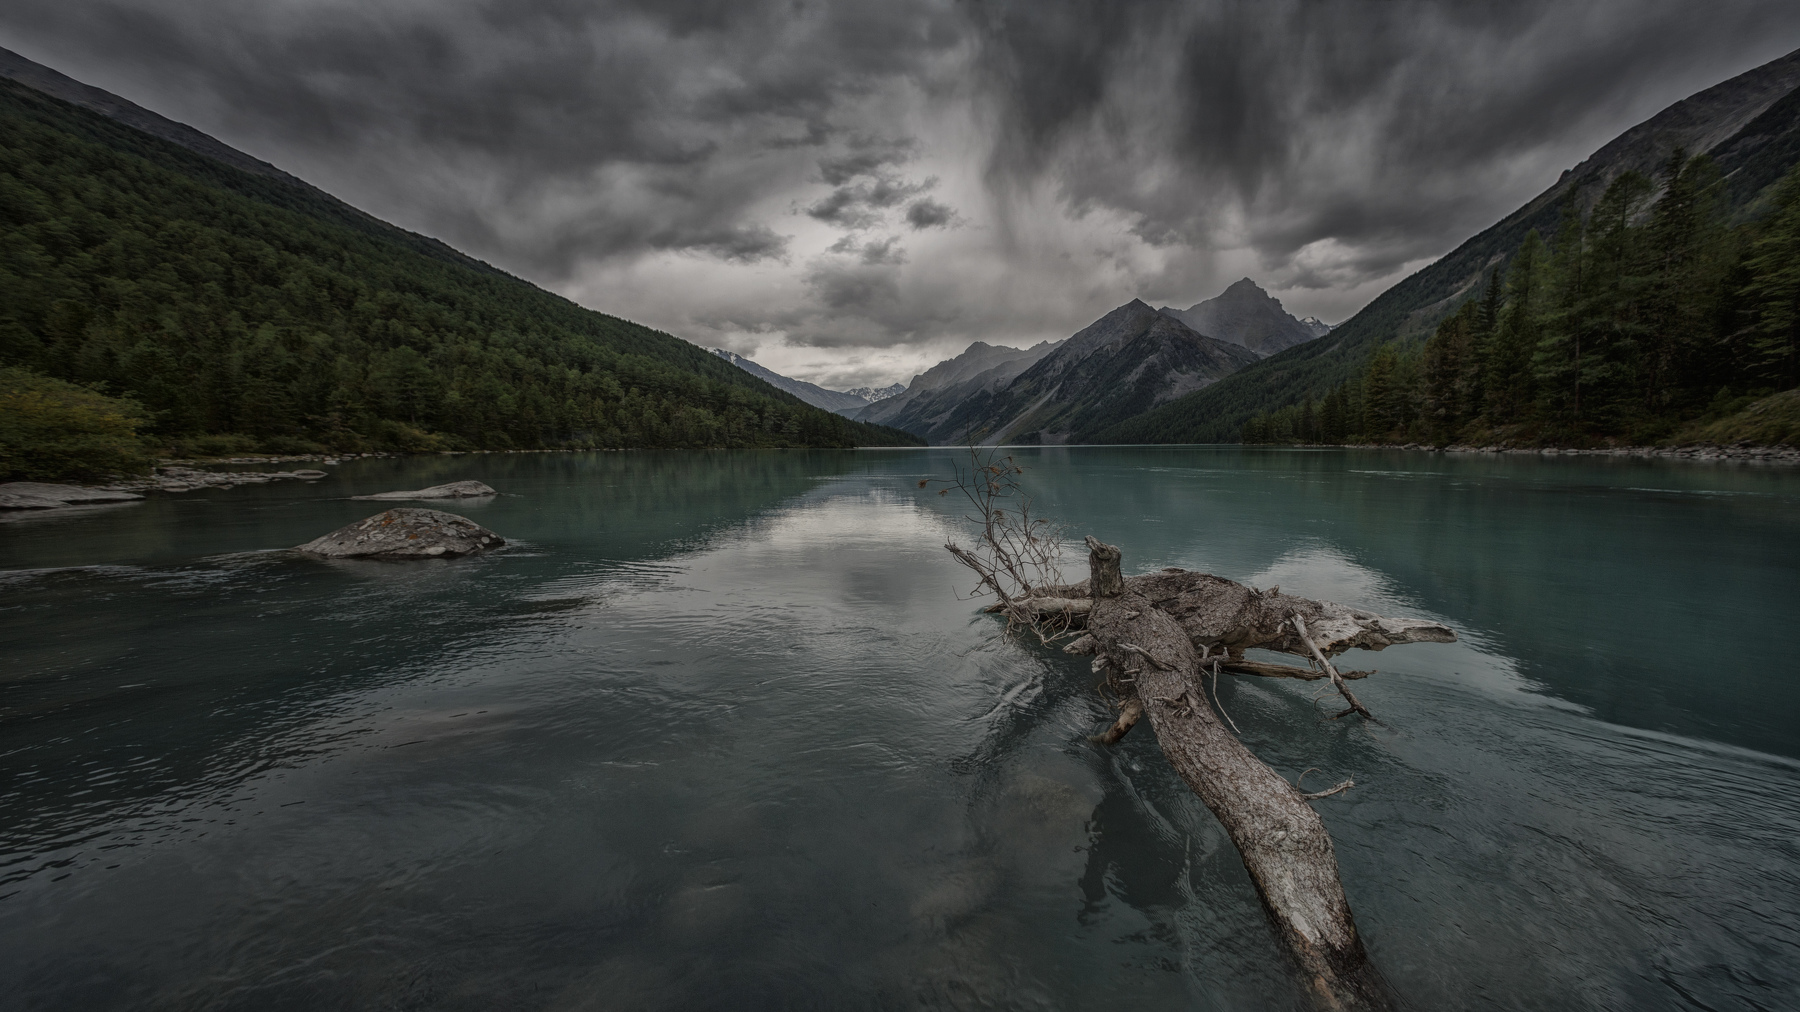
716, 731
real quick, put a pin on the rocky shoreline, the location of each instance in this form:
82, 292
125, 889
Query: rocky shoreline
187, 479
1749, 454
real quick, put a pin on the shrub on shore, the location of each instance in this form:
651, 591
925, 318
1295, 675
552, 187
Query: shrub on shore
51, 430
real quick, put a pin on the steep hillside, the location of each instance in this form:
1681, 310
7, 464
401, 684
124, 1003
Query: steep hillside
1122, 364
246, 304
1245, 314
1749, 124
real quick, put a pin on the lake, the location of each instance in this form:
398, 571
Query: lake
718, 731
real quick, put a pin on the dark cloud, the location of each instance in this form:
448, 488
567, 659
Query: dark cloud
884, 251
929, 213
861, 206
857, 290
746, 245
846, 207
870, 159
1378, 125
1089, 147
543, 133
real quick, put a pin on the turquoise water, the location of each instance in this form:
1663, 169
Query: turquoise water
715, 731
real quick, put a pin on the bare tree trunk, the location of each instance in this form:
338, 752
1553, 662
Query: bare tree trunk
1281, 839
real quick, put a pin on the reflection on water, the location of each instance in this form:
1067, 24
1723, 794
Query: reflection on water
717, 732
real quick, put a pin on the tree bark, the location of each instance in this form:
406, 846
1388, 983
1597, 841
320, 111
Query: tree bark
1220, 614
1104, 579
1281, 839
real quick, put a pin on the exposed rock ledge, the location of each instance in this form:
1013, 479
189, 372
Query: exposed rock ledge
454, 490
186, 479
406, 533
38, 495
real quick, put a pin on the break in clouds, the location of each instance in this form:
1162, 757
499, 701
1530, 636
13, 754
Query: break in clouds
851, 191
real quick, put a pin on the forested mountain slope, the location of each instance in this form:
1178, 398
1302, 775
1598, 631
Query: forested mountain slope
237, 302
1750, 125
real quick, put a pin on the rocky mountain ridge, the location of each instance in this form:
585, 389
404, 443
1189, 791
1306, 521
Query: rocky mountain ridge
1246, 315
927, 406
1122, 364
873, 394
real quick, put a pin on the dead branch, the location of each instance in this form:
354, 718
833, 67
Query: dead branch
1014, 551
1084, 645
1043, 606
1218, 704
1337, 680
1267, 670
1145, 654
1129, 715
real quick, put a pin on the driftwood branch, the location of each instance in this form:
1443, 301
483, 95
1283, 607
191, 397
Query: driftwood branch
1223, 615
1281, 839
1039, 607
1155, 637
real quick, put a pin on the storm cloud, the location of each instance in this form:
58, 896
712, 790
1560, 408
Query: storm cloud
850, 191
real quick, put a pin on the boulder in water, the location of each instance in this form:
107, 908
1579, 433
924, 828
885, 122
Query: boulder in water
406, 533
454, 490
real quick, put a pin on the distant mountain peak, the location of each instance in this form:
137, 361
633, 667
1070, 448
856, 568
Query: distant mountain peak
843, 402
1247, 315
873, 394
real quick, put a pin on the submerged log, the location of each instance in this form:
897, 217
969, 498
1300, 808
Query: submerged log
1281, 839
453, 490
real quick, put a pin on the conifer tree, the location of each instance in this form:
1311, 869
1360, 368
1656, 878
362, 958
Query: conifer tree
1773, 291
1508, 362
1556, 362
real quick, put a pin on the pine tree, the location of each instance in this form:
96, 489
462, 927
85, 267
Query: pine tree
1687, 258
1444, 374
1615, 281
1774, 291
1556, 363
1481, 339
1508, 366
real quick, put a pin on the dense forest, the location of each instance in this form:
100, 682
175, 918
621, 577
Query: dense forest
1649, 317
228, 312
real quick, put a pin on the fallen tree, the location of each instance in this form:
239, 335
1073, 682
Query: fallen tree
1157, 637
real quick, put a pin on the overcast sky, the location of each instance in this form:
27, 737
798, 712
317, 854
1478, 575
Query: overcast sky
849, 192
